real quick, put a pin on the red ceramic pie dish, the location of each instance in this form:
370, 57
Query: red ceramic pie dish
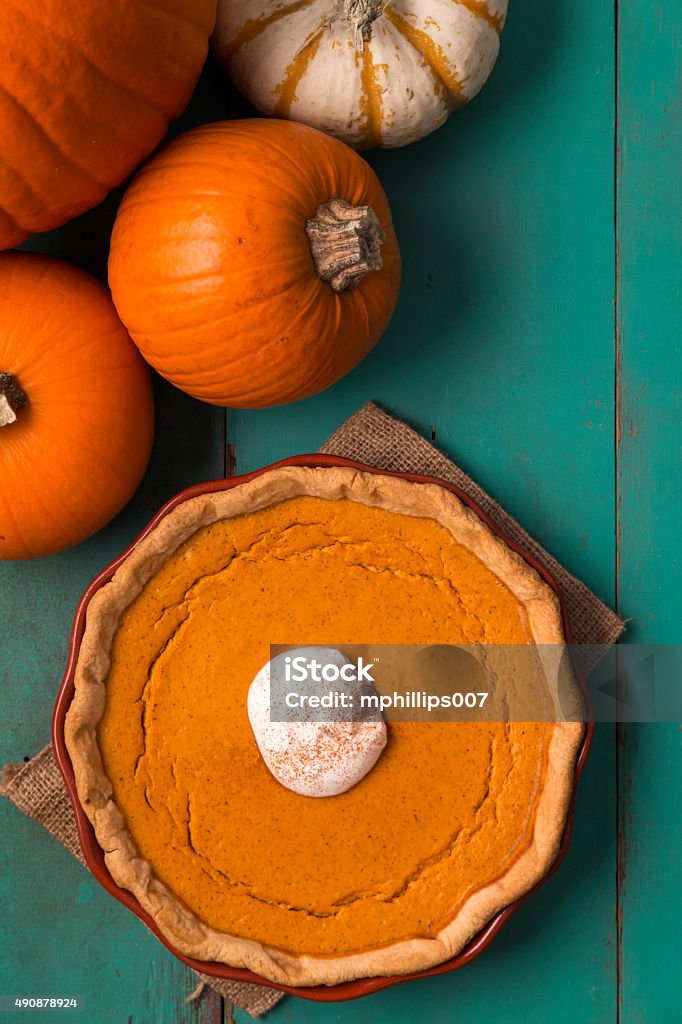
92, 851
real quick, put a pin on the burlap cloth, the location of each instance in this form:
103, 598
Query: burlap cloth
377, 439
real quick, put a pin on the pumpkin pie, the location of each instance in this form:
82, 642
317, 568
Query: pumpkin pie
453, 822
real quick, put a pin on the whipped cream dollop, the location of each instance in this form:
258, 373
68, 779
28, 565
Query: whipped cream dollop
314, 758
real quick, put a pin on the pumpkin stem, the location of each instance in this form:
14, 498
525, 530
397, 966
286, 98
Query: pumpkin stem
12, 399
360, 14
345, 242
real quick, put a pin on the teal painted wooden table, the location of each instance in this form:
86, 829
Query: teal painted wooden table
537, 338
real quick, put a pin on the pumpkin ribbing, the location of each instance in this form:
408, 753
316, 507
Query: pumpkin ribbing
370, 72
76, 407
345, 242
222, 295
87, 90
12, 399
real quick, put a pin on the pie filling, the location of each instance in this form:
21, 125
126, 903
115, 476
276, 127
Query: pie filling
445, 810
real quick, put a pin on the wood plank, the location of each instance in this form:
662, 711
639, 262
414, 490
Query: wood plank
650, 492
503, 337
504, 342
90, 945
60, 933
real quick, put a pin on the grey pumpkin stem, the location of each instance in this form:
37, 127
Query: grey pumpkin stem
12, 399
345, 243
360, 16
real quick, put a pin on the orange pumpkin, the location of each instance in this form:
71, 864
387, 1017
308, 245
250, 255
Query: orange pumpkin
87, 89
76, 408
254, 262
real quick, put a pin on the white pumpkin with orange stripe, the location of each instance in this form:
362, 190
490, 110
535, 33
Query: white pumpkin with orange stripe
371, 72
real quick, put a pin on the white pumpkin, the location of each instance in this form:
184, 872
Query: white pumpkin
370, 72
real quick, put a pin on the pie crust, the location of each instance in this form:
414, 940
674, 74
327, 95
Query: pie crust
183, 928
